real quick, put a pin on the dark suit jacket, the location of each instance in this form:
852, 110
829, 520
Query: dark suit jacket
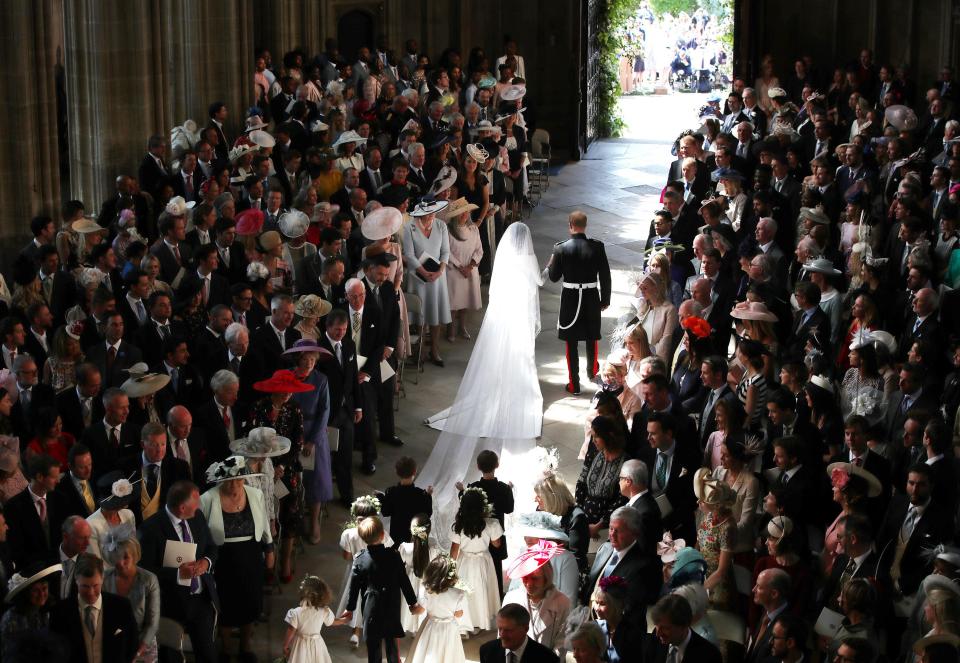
708, 423
150, 175
869, 569
371, 339
154, 533
32, 345
933, 528
172, 469
265, 351
62, 296
207, 418
679, 485
131, 323
28, 539
127, 356
189, 388
379, 574
236, 271
640, 569
401, 503
896, 417
698, 650
68, 405
389, 305
181, 189
72, 500
929, 330
25, 424
219, 287
798, 332
342, 380
367, 183
493, 652
651, 523
120, 639
149, 341
106, 458
169, 267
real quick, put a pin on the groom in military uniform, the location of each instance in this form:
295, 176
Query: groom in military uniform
582, 264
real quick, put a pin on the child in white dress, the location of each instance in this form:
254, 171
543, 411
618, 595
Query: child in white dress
416, 554
474, 530
303, 643
439, 639
364, 506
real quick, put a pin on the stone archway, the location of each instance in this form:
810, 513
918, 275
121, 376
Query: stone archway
354, 29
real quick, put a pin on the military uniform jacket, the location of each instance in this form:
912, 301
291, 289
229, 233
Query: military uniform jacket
580, 261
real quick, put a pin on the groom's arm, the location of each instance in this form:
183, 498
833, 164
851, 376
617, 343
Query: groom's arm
555, 266
604, 277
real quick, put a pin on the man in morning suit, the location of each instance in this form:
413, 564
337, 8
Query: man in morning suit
672, 639
859, 559
914, 525
376, 268
113, 355
76, 487
366, 334
513, 622
582, 264
713, 374
272, 338
346, 399
111, 441
99, 626
195, 605
156, 470
635, 486
673, 460
35, 514
624, 555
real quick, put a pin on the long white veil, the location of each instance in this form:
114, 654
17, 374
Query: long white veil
498, 405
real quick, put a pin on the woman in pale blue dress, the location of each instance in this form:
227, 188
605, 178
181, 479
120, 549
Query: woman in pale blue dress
424, 238
123, 577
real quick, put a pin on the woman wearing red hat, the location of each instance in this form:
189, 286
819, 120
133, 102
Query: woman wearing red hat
276, 410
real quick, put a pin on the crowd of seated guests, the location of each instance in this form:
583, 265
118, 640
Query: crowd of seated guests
788, 425
169, 360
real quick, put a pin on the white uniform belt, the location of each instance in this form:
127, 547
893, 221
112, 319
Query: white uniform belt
581, 286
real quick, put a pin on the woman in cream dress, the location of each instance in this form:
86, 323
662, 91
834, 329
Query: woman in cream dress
463, 279
656, 314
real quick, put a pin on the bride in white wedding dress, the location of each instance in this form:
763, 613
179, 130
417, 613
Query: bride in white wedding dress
498, 404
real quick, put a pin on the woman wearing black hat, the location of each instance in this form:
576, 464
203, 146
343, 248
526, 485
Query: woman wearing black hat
28, 593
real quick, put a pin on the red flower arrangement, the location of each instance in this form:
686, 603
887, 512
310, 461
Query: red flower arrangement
839, 477
697, 326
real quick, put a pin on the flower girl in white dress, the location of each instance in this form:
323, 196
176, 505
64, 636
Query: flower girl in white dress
439, 639
303, 643
416, 554
364, 506
474, 530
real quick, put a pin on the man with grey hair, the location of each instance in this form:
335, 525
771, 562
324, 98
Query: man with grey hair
75, 536
417, 156
752, 109
32, 395
215, 422
272, 339
365, 330
634, 485
182, 443
624, 556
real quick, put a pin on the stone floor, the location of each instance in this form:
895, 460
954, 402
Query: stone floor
618, 186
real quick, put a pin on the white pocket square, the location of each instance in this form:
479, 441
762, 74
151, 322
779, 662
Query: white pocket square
118, 631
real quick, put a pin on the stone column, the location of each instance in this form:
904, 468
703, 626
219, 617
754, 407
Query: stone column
29, 172
283, 25
138, 68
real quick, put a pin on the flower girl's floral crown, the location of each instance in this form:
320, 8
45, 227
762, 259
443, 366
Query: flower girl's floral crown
487, 507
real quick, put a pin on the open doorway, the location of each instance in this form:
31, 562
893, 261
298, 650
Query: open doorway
354, 29
680, 51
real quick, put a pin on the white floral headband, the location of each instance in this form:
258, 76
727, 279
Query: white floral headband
487, 507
